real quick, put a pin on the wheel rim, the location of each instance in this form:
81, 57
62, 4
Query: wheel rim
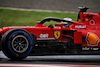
20, 43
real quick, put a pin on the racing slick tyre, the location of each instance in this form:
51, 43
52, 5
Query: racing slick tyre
17, 44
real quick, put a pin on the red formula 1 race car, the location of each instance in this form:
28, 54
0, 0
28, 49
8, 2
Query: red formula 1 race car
71, 37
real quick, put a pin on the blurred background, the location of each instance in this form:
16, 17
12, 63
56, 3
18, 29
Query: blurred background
37, 10
55, 5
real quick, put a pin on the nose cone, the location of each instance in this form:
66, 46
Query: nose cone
92, 39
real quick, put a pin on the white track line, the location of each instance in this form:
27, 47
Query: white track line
23, 9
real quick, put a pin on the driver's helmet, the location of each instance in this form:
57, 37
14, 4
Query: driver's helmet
67, 19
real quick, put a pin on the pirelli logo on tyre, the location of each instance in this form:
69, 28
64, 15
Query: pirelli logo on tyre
57, 34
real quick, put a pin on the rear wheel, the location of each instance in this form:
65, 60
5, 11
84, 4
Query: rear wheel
17, 44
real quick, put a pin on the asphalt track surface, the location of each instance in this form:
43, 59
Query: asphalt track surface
55, 5
87, 60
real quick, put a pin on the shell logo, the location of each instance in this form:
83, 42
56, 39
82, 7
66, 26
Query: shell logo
92, 39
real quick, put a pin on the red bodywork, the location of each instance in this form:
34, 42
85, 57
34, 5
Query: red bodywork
85, 32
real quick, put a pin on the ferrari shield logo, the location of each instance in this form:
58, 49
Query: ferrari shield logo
57, 34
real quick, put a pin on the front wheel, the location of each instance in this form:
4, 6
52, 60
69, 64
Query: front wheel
17, 44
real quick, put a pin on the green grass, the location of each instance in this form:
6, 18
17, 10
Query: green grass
10, 17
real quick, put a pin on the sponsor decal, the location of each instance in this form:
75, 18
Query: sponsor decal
57, 34
85, 12
46, 38
44, 35
90, 48
92, 22
80, 26
85, 48
92, 39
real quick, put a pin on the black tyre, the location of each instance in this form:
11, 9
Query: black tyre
17, 44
